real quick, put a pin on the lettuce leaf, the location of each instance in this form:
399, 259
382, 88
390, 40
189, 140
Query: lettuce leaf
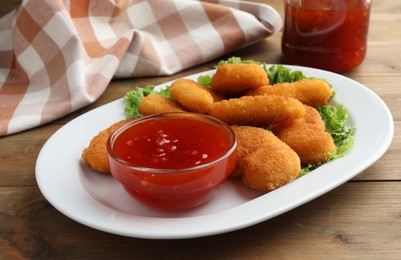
336, 118
205, 80
133, 99
280, 74
235, 60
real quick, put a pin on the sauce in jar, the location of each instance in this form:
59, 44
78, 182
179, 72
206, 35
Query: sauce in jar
328, 34
172, 161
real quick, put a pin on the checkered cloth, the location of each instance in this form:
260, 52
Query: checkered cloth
58, 56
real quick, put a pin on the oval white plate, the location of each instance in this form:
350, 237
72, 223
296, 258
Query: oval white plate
98, 201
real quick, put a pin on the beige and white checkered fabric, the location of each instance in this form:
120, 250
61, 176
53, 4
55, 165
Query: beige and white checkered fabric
58, 56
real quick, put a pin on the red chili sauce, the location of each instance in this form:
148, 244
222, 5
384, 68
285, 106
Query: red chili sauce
172, 160
330, 39
171, 143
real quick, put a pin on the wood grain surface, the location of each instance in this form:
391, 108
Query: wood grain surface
358, 220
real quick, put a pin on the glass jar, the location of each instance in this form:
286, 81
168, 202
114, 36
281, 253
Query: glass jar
325, 34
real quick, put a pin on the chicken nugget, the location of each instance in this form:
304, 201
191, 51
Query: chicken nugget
307, 136
312, 92
191, 95
154, 104
95, 154
266, 163
257, 110
249, 139
233, 79
216, 96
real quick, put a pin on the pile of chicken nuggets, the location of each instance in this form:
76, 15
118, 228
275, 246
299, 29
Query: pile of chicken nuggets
277, 126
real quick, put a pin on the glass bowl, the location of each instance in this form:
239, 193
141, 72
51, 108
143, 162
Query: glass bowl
173, 161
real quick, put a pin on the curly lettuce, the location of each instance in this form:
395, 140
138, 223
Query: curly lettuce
280, 74
205, 80
335, 119
133, 99
235, 60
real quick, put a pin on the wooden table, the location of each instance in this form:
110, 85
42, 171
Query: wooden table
360, 219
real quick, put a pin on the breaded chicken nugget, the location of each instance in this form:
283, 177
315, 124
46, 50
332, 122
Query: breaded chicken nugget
191, 95
154, 104
95, 155
233, 79
312, 92
249, 139
266, 163
216, 96
306, 136
257, 110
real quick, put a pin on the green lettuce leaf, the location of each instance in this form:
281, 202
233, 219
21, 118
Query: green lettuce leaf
133, 99
280, 74
336, 118
235, 60
205, 80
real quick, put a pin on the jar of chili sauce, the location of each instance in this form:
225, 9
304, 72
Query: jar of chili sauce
325, 34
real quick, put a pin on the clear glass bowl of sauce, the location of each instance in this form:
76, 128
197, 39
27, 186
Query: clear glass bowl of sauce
326, 34
172, 161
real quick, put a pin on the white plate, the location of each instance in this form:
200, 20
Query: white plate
98, 201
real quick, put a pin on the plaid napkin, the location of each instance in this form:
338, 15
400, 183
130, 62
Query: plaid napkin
58, 56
